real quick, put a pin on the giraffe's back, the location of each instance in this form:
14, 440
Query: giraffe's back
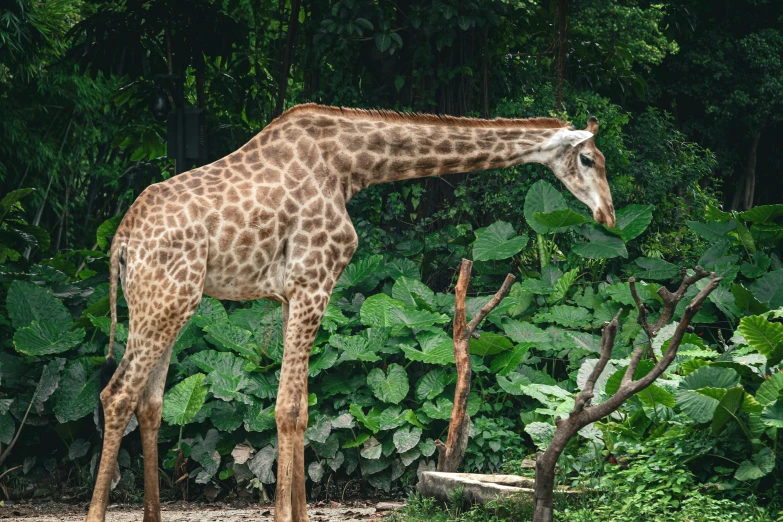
257, 220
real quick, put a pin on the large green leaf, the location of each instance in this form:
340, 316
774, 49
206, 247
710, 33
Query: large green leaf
27, 302
436, 348
391, 386
45, 338
406, 438
712, 231
7, 428
259, 418
439, 409
353, 348
230, 337
489, 344
513, 382
654, 395
559, 220
106, 230
263, 385
209, 311
541, 433
431, 384
655, 269
769, 289
762, 213
507, 362
371, 420
724, 300
77, 394
700, 392
226, 375
773, 414
407, 318
565, 315
497, 241
226, 416
182, 402
377, 309
413, 293
10, 199
542, 197
763, 464
632, 220
563, 284
362, 275
695, 405
600, 244
322, 361
522, 332
770, 390
727, 408
710, 377
48, 383
764, 336
746, 302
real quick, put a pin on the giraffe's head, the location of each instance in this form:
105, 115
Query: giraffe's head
577, 162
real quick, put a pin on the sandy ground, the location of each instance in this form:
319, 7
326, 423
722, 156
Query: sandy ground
185, 512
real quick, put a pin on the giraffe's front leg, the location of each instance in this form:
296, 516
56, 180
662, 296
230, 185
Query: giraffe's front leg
304, 318
298, 493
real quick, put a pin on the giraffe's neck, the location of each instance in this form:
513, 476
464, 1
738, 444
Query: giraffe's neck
414, 149
366, 148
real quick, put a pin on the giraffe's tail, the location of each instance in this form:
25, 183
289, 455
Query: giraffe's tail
109, 366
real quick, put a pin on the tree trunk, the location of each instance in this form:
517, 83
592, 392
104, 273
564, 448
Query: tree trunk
293, 24
562, 38
452, 454
749, 190
453, 451
545, 475
583, 412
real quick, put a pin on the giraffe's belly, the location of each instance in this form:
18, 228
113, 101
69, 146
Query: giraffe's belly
242, 288
242, 273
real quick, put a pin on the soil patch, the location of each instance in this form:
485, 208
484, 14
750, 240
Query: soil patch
189, 512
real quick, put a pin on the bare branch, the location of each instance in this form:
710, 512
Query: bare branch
492, 303
670, 300
607, 343
636, 356
584, 414
642, 319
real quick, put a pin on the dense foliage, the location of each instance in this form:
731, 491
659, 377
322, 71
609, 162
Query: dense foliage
684, 115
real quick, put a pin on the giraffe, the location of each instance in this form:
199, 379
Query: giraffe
270, 221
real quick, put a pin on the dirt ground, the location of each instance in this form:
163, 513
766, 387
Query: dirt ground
188, 512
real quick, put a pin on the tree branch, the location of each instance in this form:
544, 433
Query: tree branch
608, 335
492, 303
584, 414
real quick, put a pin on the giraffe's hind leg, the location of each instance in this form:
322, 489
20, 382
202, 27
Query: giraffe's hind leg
161, 298
148, 412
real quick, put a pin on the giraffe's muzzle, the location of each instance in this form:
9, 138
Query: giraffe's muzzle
605, 215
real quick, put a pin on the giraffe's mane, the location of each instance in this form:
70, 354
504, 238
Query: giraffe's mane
415, 117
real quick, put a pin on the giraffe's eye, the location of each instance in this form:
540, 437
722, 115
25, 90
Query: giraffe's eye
587, 162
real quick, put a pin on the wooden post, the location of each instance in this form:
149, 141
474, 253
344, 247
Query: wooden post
453, 451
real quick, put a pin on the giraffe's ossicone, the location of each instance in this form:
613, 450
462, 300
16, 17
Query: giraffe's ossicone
270, 221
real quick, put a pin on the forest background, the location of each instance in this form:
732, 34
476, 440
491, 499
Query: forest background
689, 94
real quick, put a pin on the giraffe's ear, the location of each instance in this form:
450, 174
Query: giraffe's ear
592, 125
567, 137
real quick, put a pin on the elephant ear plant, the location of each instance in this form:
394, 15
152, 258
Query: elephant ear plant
583, 413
